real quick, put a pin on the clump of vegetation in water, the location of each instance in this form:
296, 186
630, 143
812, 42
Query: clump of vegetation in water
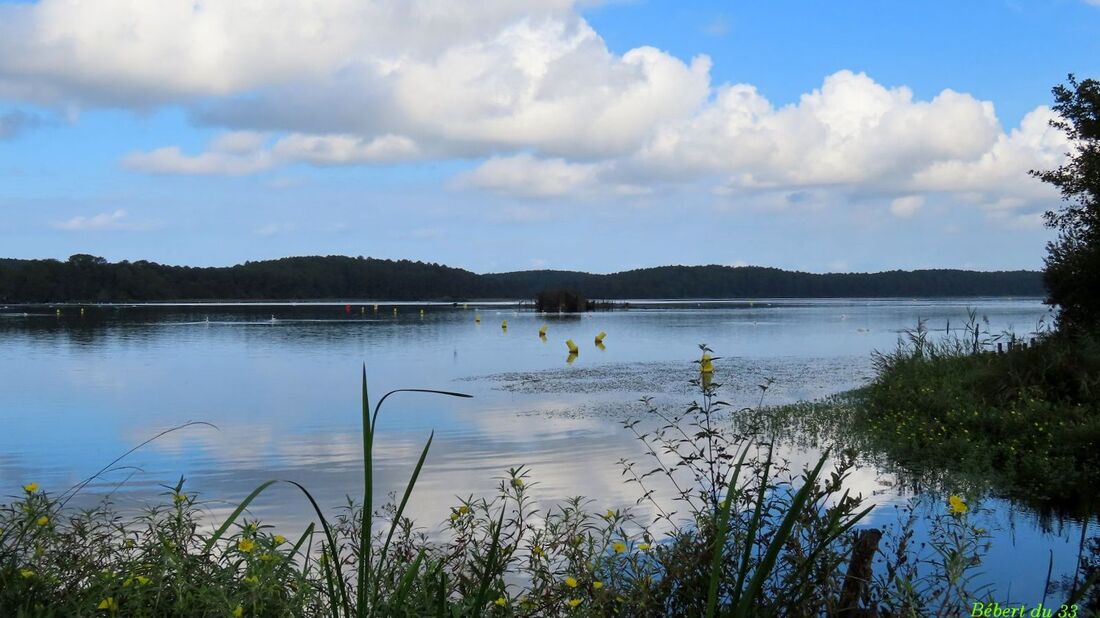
951, 413
568, 301
1030, 416
736, 533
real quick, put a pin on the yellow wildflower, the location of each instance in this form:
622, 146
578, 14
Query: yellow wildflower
141, 579
597, 585
238, 611
619, 547
251, 579
246, 545
108, 604
179, 498
280, 539
609, 515
462, 510
574, 602
454, 516
267, 557
571, 582
537, 551
501, 601
706, 364
42, 521
643, 546
30, 488
26, 573
517, 483
957, 505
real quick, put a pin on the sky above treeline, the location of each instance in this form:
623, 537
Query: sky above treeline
503, 135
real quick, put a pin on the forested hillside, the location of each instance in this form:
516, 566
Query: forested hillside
87, 278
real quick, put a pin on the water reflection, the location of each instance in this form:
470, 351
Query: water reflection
280, 382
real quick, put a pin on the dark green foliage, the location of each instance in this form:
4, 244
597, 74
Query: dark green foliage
561, 300
715, 281
1024, 424
1072, 274
86, 278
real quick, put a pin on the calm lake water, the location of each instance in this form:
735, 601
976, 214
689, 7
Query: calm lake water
281, 382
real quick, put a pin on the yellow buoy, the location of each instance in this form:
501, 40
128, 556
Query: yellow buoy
477, 318
58, 313
705, 364
599, 337
504, 324
542, 331
573, 349
82, 311
395, 310
421, 313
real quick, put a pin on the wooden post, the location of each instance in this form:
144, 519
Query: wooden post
859, 574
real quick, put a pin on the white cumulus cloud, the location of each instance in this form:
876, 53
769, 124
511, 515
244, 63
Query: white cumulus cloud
345, 149
528, 176
525, 89
906, 206
171, 160
119, 220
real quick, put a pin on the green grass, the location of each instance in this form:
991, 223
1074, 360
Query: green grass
1024, 424
736, 533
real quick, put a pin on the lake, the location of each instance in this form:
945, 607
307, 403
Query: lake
281, 383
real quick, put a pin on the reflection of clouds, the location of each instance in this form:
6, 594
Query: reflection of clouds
565, 457
241, 445
285, 398
501, 422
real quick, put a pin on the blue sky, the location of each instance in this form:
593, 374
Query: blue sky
517, 134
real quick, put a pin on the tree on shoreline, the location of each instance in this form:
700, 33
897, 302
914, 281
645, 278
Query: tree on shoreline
1072, 273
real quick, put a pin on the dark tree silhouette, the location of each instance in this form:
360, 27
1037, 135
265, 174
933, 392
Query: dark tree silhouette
1072, 274
86, 278
560, 300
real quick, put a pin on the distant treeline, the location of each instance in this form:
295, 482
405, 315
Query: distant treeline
86, 278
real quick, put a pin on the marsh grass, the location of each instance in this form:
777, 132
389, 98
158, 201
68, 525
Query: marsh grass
735, 532
946, 413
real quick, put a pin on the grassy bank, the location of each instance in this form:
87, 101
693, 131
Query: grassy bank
954, 414
1027, 420
734, 533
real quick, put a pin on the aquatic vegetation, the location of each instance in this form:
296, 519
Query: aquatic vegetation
736, 532
1027, 419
